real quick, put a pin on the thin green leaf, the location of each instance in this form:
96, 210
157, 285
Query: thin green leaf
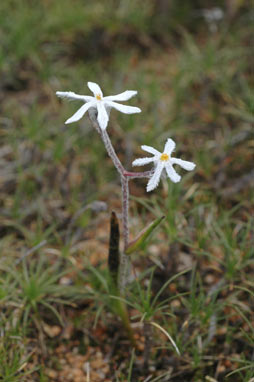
143, 235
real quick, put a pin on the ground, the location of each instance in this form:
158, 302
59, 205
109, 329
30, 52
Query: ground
192, 282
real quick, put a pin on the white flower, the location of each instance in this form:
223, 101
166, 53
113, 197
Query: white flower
102, 104
163, 161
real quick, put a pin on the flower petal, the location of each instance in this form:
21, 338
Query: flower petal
72, 96
169, 146
123, 108
154, 181
102, 117
189, 166
172, 173
142, 161
122, 96
95, 89
150, 150
79, 114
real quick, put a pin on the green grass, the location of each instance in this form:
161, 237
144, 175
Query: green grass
195, 276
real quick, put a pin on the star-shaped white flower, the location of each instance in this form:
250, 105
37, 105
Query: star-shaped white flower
163, 161
102, 104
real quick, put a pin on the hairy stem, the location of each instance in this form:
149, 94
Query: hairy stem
125, 262
133, 175
125, 209
125, 176
111, 152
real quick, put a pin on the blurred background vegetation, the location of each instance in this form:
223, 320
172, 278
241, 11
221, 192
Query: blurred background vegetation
192, 63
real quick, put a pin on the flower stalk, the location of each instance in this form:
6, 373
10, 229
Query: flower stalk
125, 209
124, 177
98, 107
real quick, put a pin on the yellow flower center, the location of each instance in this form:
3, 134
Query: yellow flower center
164, 157
98, 97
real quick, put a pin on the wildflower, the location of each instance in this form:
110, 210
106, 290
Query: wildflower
163, 161
102, 104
